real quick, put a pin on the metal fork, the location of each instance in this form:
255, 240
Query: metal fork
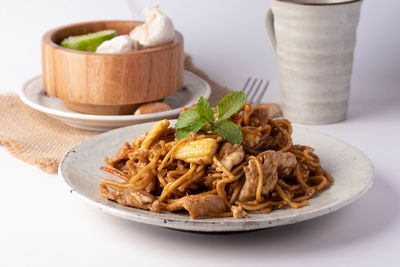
255, 90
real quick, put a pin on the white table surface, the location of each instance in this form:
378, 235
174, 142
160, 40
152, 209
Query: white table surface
42, 224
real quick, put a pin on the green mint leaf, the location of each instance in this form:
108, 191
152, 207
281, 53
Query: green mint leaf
187, 117
230, 104
182, 133
194, 127
193, 120
204, 110
229, 131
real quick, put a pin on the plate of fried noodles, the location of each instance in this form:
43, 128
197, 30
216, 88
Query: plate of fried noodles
236, 171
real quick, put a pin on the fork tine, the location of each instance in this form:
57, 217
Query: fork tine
244, 89
262, 93
251, 89
253, 92
252, 97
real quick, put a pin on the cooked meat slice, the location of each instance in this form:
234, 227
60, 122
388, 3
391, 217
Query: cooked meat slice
231, 155
272, 163
271, 176
261, 113
141, 154
121, 154
238, 212
128, 197
152, 184
156, 206
198, 205
248, 191
251, 139
273, 109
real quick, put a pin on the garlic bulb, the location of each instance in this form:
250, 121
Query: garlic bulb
157, 30
119, 44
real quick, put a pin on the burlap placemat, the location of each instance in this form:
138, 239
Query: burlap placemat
37, 139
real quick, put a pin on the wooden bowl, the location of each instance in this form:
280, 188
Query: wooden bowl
109, 83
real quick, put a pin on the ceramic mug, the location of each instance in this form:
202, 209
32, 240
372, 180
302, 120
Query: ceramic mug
314, 42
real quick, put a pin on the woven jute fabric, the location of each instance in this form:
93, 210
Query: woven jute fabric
37, 139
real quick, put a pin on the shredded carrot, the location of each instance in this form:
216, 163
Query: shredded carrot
129, 151
117, 173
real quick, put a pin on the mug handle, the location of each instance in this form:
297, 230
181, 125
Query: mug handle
269, 26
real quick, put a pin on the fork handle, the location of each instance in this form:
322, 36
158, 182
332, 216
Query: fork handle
269, 25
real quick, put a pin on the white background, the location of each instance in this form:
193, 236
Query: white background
41, 224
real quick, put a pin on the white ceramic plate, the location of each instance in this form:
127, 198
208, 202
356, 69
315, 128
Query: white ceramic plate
351, 169
32, 94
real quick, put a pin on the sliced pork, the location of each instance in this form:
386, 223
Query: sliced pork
121, 154
128, 197
198, 205
272, 163
230, 155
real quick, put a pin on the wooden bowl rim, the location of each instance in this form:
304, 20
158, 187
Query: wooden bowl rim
47, 39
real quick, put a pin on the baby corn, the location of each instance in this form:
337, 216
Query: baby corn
199, 151
155, 132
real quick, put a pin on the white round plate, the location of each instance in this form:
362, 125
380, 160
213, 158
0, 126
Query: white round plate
351, 169
32, 93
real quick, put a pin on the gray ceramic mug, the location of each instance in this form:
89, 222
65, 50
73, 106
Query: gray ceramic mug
314, 42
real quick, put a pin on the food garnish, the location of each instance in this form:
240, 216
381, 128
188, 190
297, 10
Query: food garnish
203, 117
88, 42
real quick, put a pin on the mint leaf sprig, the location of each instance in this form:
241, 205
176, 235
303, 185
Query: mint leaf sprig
202, 117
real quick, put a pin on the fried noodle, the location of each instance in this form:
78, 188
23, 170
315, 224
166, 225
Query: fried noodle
258, 182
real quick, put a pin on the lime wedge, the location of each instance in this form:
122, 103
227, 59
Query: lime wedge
88, 42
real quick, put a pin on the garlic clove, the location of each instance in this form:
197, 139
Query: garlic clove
119, 44
158, 29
